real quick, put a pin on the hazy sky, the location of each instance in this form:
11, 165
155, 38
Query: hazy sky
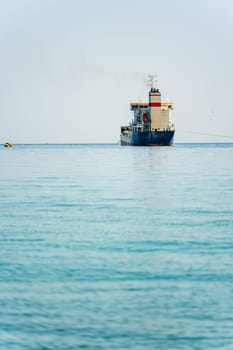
69, 69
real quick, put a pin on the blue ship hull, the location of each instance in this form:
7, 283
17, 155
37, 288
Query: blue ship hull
148, 138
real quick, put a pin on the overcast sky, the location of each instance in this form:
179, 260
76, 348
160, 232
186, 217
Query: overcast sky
70, 68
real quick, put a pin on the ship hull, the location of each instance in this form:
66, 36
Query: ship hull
148, 138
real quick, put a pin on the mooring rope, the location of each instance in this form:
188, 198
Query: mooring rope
205, 134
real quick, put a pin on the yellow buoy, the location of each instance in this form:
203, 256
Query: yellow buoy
8, 144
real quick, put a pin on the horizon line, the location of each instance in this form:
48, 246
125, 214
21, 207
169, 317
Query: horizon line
111, 143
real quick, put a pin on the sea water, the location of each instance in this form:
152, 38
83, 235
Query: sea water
110, 247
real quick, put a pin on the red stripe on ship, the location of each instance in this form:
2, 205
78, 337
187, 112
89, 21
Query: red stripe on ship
154, 94
155, 104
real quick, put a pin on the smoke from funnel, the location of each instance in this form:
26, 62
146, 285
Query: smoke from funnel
107, 72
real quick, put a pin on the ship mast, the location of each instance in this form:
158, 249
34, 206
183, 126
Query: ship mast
151, 81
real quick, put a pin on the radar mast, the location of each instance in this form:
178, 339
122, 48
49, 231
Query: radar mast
151, 81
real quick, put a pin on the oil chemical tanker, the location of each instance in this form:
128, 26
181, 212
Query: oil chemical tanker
152, 124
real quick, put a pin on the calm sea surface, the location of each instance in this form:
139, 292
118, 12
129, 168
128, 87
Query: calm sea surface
110, 247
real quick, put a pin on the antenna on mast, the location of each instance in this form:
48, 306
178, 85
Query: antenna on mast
151, 80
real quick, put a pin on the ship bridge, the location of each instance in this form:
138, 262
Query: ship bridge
138, 105
165, 105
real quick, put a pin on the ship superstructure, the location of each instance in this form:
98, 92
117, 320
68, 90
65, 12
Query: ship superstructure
152, 124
